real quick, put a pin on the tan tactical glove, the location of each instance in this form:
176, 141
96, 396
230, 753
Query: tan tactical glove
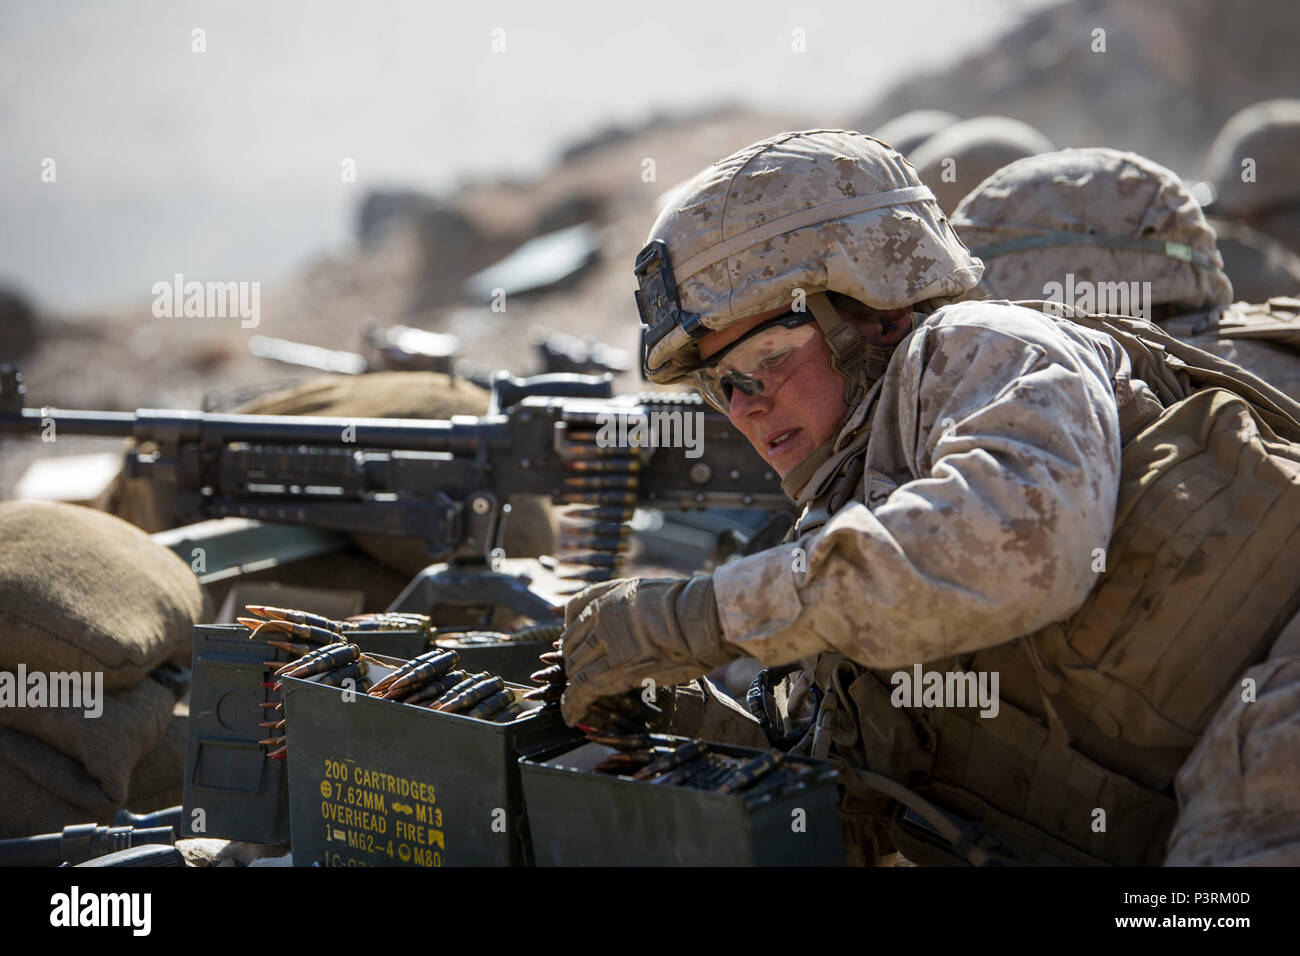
618, 633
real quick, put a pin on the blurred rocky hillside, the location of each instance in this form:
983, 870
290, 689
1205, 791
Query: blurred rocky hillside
409, 265
1171, 74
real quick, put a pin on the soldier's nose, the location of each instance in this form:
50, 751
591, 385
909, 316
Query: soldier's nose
743, 406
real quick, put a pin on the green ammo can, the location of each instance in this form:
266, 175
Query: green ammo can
582, 818
380, 783
241, 794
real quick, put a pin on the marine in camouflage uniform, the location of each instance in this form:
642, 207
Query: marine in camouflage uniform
1254, 168
1107, 222
1068, 502
909, 130
958, 158
1259, 266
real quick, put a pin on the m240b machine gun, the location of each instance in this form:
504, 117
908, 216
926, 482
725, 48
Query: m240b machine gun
444, 482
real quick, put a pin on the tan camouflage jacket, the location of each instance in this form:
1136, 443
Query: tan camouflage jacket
989, 495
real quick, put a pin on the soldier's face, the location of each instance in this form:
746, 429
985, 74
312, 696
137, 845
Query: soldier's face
788, 424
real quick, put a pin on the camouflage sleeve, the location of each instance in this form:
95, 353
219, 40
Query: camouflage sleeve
1010, 433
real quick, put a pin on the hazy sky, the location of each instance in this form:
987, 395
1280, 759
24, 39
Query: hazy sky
226, 163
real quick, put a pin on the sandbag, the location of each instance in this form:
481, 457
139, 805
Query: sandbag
58, 767
376, 395
108, 746
84, 591
33, 802
158, 779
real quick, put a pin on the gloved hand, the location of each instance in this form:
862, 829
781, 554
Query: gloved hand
618, 633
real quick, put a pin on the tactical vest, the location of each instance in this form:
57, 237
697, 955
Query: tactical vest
1097, 711
1263, 338
1276, 321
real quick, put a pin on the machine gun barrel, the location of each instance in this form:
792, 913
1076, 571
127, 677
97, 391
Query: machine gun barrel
174, 425
31, 421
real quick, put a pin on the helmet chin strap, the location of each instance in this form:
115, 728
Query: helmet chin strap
858, 362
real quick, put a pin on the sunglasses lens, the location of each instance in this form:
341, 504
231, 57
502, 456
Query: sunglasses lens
716, 394
757, 365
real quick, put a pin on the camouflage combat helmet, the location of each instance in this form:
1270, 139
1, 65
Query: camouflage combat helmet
825, 211
909, 130
1099, 214
1268, 134
955, 160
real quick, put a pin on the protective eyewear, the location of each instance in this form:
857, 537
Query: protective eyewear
760, 361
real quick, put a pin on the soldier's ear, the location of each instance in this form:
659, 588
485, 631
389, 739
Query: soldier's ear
879, 328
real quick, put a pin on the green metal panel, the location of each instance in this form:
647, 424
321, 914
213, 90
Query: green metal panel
240, 793
230, 547
382, 783
581, 818
243, 795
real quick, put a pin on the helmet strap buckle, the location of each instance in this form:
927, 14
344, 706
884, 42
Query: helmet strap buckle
848, 348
